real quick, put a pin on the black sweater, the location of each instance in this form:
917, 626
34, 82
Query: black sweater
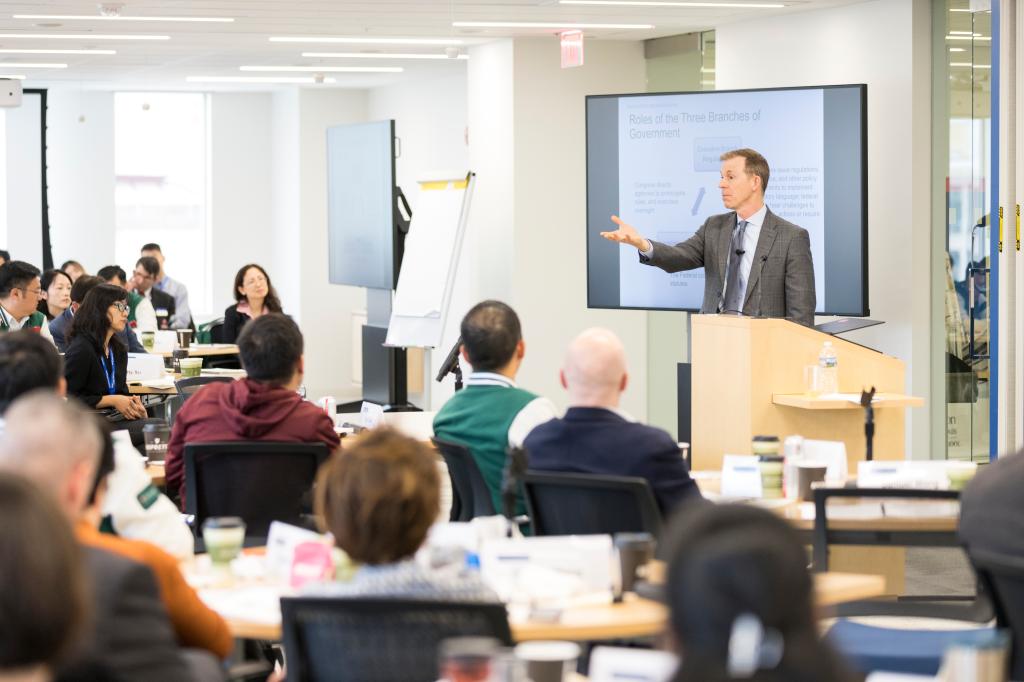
84, 371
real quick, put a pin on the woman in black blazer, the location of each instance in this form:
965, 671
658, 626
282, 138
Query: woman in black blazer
254, 296
96, 361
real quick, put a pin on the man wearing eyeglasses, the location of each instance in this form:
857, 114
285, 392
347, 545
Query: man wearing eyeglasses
147, 271
20, 293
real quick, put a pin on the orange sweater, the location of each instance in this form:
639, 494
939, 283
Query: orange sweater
194, 623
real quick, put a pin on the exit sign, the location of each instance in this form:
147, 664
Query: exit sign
572, 48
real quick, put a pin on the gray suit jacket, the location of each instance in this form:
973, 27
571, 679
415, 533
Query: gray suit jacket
781, 282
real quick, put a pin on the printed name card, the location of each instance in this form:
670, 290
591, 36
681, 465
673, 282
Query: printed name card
372, 415
741, 476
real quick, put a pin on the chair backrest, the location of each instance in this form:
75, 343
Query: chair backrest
470, 495
260, 482
589, 504
189, 385
883, 533
380, 639
1002, 578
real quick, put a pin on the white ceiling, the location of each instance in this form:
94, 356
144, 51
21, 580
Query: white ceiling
198, 49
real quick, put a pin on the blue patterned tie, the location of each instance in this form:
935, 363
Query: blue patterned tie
733, 285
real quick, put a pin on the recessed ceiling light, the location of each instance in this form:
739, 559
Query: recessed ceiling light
17, 51
978, 38
653, 3
326, 69
957, 49
13, 78
259, 79
31, 65
366, 41
380, 55
961, 33
79, 36
97, 17
963, 64
544, 24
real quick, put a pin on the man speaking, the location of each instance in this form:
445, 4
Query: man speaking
754, 262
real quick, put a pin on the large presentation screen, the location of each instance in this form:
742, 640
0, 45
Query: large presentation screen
653, 160
361, 204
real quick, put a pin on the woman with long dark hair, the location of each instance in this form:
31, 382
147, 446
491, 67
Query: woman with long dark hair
254, 296
55, 286
741, 600
96, 361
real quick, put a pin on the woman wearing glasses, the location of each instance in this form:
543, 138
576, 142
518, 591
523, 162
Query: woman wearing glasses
96, 361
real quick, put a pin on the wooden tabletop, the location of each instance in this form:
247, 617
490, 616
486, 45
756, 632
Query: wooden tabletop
633, 617
203, 350
155, 471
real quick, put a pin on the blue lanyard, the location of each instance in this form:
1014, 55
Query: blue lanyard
109, 372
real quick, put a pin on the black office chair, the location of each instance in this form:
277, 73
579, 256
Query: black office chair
260, 482
190, 385
470, 495
330, 639
1002, 578
588, 504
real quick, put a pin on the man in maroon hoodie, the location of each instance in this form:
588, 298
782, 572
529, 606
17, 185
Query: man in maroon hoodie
264, 406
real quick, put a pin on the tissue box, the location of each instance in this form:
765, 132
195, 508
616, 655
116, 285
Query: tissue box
144, 367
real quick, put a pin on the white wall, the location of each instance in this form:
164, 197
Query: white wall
841, 45
241, 189
527, 140
23, 188
80, 140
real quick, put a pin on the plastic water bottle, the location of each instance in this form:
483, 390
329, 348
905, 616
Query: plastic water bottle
829, 365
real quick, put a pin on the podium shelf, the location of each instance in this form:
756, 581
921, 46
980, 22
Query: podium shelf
844, 401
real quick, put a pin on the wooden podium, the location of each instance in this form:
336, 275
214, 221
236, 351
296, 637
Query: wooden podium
748, 380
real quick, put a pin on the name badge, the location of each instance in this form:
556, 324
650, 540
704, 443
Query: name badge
741, 476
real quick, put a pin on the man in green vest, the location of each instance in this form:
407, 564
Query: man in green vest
492, 413
20, 293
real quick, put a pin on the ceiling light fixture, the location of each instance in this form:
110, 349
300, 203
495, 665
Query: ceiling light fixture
17, 51
33, 65
14, 78
325, 69
978, 38
546, 24
343, 40
79, 36
654, 3
957, 49
380, 55
301, 80
118, 17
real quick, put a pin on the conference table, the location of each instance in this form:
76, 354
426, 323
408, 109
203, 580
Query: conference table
252, 610
204, 350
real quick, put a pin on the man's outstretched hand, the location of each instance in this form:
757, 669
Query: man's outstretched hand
626, 234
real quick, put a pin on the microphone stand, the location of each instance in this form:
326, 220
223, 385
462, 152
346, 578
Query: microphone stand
869, 422
451, 365
516, 463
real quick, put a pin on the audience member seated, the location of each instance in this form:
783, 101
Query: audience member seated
992, 509
44, 599
181, 317
254, 296
134, 507
491, 413
596, 437
195, 625
379, 497
57, 444
96, 361
141, 315
741, 600
56, 292
74, 269
59, 326
147, 269
20, 293
263, 406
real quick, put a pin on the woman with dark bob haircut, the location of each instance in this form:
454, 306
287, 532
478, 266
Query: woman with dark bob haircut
96, 361
379, 496
56, 285
741, 600
254, 296
44, 600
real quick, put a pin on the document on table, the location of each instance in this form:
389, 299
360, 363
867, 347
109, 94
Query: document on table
259, 604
